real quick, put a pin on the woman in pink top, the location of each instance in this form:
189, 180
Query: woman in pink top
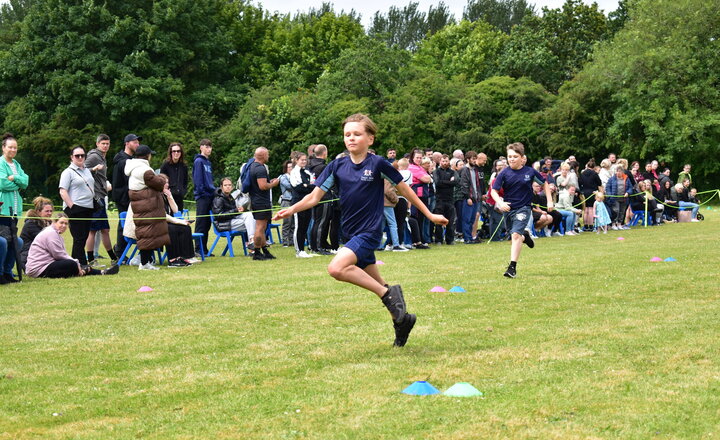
420, 184
49, 259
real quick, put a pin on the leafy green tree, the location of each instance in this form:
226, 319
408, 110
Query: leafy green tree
308, 41
651, 92
551, 48
503, 14
406, 27
468, 48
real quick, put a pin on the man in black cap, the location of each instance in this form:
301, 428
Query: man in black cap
120, 184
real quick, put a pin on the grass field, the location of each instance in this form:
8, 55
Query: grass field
590, 341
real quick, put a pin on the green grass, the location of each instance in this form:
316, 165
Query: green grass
590, 341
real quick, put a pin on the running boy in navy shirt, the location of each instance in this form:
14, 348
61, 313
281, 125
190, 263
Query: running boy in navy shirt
359, 178
516, 182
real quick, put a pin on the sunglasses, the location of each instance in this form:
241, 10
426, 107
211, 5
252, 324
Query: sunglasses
176, 151
79, 156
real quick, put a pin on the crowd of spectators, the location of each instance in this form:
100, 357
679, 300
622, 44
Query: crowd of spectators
602, 196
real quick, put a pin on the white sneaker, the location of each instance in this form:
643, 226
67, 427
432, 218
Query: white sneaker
557, 234
399, 249
570, 233
332, 251
148, 266
614, 228
193, 260
695, 220
388, 247
303, 254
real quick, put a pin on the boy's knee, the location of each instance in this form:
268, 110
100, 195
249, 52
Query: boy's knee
335, 271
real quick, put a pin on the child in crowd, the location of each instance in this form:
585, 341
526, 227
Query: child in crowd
359, 178
516, 181
602, 217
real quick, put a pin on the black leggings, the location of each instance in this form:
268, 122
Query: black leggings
302, 220
64, 269
181, 244
79, 229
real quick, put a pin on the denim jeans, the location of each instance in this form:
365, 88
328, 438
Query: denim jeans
389, 212
695, 207
468, 217
7, 256
568, 218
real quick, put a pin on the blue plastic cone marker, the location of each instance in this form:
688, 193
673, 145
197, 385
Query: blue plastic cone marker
421, 388
457, 289
669, 259
462, 389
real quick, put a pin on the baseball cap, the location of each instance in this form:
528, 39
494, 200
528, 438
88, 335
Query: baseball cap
143, 150
131, 137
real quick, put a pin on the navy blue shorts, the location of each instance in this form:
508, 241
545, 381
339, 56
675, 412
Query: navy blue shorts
364, 245
101, 215
517, 219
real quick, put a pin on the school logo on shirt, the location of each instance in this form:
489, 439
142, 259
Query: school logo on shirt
527, 177
367, 176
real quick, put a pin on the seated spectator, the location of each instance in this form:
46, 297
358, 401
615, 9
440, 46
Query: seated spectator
180, 250
49, 259
643, 192
683, 201
37, 218
541, 218
565, 207
666, 196
232, 212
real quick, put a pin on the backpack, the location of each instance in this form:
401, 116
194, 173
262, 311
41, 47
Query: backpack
245, 176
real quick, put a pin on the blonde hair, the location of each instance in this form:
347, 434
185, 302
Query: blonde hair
605, 163
403, 164
426, 160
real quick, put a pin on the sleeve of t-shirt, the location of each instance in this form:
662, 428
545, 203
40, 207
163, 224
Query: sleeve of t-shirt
538, 177
326, 179
65, 179
259, 172
499, 180
389, 172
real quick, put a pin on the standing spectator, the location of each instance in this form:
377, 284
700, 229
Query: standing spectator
120, 184
322, 213
391, 154
261, 202
302, 184
685, 174
204, 190
401, 208
177, 171
389, 203
420, 184
617, 191
590, 183
288, 225
458, 154
605, 174
78, 195
460, 195
496, 217
48, 258
480, 162
148, 207
470, 183
36, 219
445, 183
96, 162
12, 180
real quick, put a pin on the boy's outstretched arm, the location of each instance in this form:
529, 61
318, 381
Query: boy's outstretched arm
307, 202
410, 195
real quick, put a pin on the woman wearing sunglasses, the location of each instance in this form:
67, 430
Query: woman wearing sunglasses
78, 195
174, 167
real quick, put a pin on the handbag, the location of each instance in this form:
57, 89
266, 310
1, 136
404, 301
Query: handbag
96, 202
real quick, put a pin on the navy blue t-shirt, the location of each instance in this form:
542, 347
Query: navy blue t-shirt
259, 198
517, 185
361, 191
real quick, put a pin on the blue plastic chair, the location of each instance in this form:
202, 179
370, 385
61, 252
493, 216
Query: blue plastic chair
228, 235
196, 236
637, 217
131, 246
268, 233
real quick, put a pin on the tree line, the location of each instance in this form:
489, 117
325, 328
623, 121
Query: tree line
641, 82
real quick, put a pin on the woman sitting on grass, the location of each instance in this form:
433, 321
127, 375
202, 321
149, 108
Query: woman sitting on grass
49, 259
37, 218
